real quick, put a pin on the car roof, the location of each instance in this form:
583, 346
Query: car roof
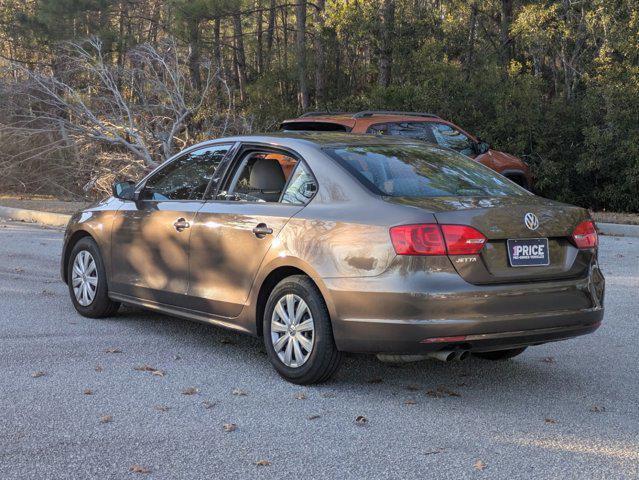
317, 139
367, 117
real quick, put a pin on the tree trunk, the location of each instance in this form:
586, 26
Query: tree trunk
320, 63
300, 43
470, 47
386, 50
270, 31
506, 47
194, 53
259, 60
217, 53
240, 56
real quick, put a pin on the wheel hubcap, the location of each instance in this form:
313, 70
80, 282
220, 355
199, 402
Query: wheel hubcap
84, 278
292, 330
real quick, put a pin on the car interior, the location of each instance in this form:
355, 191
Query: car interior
262, 176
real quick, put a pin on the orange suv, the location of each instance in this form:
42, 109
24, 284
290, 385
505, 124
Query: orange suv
422, 126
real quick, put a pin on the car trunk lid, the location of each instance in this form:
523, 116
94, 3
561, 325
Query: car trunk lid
503, 218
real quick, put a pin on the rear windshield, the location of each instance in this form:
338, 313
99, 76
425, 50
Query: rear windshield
421, 171
314, 127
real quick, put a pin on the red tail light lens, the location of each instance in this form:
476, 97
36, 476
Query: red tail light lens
463, 240
418, 240
585, 235
433, 239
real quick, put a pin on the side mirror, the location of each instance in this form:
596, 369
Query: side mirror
481, 147
124, 190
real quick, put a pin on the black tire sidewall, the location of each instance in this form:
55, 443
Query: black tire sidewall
323, 343
101, 302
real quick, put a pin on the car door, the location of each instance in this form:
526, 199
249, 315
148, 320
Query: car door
234, 230
150, 238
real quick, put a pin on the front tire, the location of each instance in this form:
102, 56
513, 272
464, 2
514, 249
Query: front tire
297, 332
500, 354
86, 278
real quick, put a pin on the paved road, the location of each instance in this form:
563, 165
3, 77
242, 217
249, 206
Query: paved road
529, 417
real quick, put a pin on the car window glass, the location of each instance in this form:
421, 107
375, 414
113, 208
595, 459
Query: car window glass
260, 177
187, 177
450, 137
416, 130
301, 187
421, 171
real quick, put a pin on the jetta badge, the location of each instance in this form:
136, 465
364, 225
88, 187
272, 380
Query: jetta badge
531, 221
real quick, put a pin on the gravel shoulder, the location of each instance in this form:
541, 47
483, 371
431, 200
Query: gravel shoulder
564, 410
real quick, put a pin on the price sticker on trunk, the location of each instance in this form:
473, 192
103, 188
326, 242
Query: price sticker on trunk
528, 252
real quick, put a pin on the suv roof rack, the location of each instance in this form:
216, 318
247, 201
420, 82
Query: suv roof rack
319, 114
370, 113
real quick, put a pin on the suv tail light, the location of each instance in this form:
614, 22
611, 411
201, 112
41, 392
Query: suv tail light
435, 239
585, 235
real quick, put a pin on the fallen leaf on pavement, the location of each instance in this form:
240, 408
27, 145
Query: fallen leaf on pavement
597, 408
361, 420
300, 396
38, 374
550, 420
88, 391
548, 359
98, 368
206, 404
410, 401
313, 417
106, 418
227, 341
433, 452
113, 350
148, 368
230, 427
262, 463
161, 408
479, 465
139, 469
239, 392
190, 391
442, 391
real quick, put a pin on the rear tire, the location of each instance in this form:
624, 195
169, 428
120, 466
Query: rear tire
89, 269
306, 353
500, 354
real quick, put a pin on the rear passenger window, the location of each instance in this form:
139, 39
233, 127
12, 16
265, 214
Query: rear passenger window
301, 187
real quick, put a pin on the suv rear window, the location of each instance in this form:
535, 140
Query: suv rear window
314, 127
421, 171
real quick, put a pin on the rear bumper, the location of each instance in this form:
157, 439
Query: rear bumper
421, 336
409, 309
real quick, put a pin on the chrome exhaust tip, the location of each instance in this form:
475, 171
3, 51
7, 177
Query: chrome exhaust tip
443, 355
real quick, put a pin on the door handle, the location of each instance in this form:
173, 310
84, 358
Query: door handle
262, 230
181, 224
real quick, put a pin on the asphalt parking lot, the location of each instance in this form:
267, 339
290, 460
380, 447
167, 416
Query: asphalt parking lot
147, 396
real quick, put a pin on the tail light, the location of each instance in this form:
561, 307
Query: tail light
435, 239
585, 235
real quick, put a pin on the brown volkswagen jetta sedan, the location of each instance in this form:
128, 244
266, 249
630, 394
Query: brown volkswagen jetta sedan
325, 243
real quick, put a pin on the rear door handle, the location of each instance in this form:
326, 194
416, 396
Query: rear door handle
181, 224
262, 230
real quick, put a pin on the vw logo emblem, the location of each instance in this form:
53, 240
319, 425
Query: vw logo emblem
531, 221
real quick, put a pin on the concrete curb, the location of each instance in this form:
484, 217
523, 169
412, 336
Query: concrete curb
618, 229
44, 218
